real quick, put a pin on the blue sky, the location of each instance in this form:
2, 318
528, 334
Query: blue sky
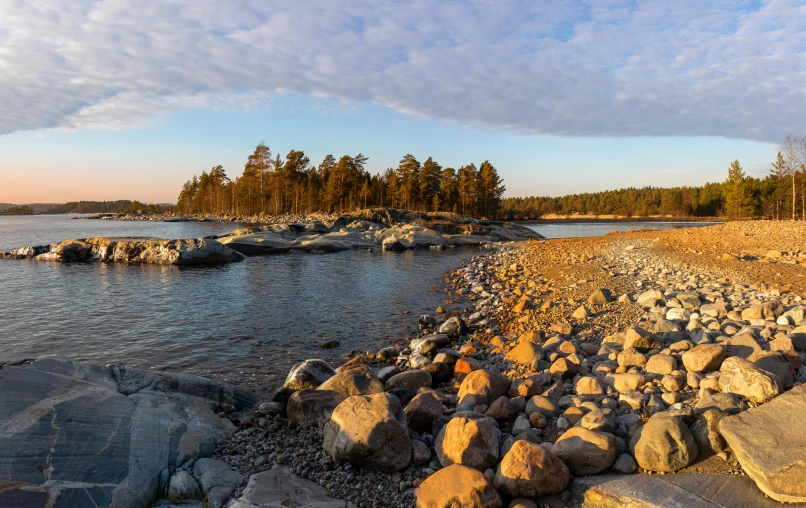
112, 100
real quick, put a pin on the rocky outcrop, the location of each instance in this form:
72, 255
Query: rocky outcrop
87, 436
769, 445
387, 229
184, 252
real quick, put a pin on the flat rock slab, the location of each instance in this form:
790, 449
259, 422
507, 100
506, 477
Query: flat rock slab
280, 488
74, 436
687, 490
770, 445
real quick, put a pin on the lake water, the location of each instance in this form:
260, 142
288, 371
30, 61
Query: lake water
246, 322
579, 229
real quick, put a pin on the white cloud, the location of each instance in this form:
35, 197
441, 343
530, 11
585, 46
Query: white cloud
588, 68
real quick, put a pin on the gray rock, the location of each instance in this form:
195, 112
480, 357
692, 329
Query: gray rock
279, 487
183, 486
217, 481
61, 410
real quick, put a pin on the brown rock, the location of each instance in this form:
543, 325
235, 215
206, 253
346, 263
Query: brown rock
586, 452
664, 444
472, 442
371, 431
704, 358
353, 382
482, 387
457, 486
422, 410
529, 470
312, 407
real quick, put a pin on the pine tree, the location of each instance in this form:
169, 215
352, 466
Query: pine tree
735, 191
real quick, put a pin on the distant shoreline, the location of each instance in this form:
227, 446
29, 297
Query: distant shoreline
610, 219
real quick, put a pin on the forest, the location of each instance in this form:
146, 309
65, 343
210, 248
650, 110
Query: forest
273, 185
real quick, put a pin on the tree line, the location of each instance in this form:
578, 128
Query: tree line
18, 210
276, 185
117, 206
781, 194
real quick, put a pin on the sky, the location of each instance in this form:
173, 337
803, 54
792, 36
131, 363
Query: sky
116, 99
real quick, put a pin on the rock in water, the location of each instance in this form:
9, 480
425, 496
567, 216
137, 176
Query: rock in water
308, 374
529, 470
371, 431
188, 251
664, 444
769, 444
454, 327
457, 486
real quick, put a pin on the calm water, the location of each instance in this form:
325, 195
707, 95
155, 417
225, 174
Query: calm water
573, 230
246, 322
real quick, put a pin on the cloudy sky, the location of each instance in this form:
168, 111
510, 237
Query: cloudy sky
109, 99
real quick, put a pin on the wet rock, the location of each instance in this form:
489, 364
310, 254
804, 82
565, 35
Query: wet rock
308, 374
370, 431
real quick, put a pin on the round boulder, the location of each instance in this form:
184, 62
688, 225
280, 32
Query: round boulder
369, 430
456, 486
529, 470
664, 444
586, 452
472, 442
482, 387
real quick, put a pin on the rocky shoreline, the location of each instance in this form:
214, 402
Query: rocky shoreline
380, 228
599, 372
589, 367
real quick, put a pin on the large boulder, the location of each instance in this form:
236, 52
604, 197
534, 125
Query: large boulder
482, 387
369, 430
308, 408
67, 425
307, 374
457, 486
640, 339
353, 382
470, 441
529, 470
769, 445
217, 481
664, 444
746, 379
586, 452
705, 430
